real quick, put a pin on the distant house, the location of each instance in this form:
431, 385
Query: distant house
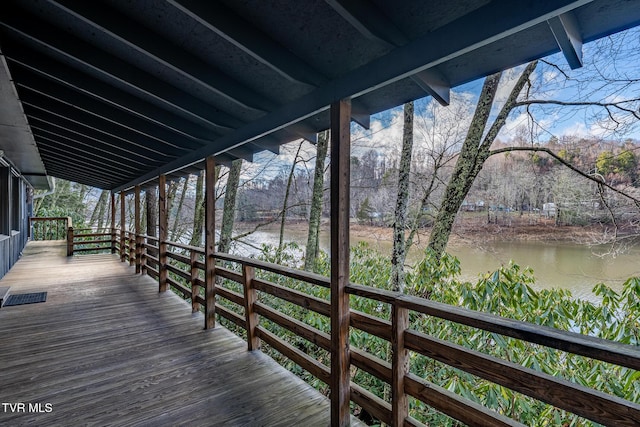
472, 206
549, 210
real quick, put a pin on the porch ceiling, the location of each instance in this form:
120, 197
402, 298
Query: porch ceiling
116, 92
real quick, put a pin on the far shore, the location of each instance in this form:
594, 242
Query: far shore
474, 228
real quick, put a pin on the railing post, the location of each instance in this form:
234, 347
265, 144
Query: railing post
250, 297
113, 223
340, 383
143, 255
123, 225
195, 288
70, 241
210, 242
162, 225
132, 248
137, 228
399, 365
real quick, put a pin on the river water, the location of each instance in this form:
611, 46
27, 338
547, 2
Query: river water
577, 268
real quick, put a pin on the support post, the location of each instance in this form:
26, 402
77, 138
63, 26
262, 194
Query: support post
123, 226
132, 247
210, 242
113, 223
195, 288
162, 235
399, 365
340, 174
250, 297
70, 239
138, 251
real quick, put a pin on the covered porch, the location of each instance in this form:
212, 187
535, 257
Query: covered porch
106, 348
126, 96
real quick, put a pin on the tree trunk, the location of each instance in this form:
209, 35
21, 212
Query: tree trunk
174, 229
466, 169
151, 210
315, 214
97, 217
229, 210
198, 213
475, 151
285, 202
399, 253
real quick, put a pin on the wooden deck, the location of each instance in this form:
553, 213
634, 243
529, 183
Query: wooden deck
107, 349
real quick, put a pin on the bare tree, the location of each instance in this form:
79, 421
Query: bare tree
315, 211
399, 253
198, 212
229, 212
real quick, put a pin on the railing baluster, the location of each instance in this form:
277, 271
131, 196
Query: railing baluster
195, 288
163, 233
138, 254
70, 241
210, 237
123, 254
399, 365
143, 255
250, 297
132, 249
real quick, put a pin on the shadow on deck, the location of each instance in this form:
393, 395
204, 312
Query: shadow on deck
107, 349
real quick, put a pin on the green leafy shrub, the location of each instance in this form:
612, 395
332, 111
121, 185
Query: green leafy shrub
507, 292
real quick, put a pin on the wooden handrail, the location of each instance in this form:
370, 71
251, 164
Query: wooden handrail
186, 269
50, 228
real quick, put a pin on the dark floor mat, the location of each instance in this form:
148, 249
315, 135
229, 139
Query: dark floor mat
19, 299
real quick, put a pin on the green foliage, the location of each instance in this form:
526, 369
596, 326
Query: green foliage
625, 164
605, 162
365, 213
507, 292
66, 200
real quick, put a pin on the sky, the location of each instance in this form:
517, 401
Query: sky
611, 72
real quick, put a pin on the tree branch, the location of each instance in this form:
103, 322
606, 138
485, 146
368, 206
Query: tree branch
593, 178
605, 105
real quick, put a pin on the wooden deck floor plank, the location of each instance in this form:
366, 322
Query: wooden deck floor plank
117, 361
107, 349
49, 344
90, 331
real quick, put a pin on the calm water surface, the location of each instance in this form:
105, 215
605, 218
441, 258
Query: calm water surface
577, 268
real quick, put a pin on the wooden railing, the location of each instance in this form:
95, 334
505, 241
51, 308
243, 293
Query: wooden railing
244, 298
79, 240
246, 301
49, 228
91, 240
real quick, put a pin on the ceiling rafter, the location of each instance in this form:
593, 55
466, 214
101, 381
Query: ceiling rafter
87, 85
373, 24
153, 45
74, 145
57, 42
62, 172
369, 21
74, 158
113, 95
73, 130
435, 84
61, 113
48, 153
109, 113
237, 31
566, 30
447, 42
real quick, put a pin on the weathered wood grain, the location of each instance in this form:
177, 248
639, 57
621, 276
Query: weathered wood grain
107, 349
340, 177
